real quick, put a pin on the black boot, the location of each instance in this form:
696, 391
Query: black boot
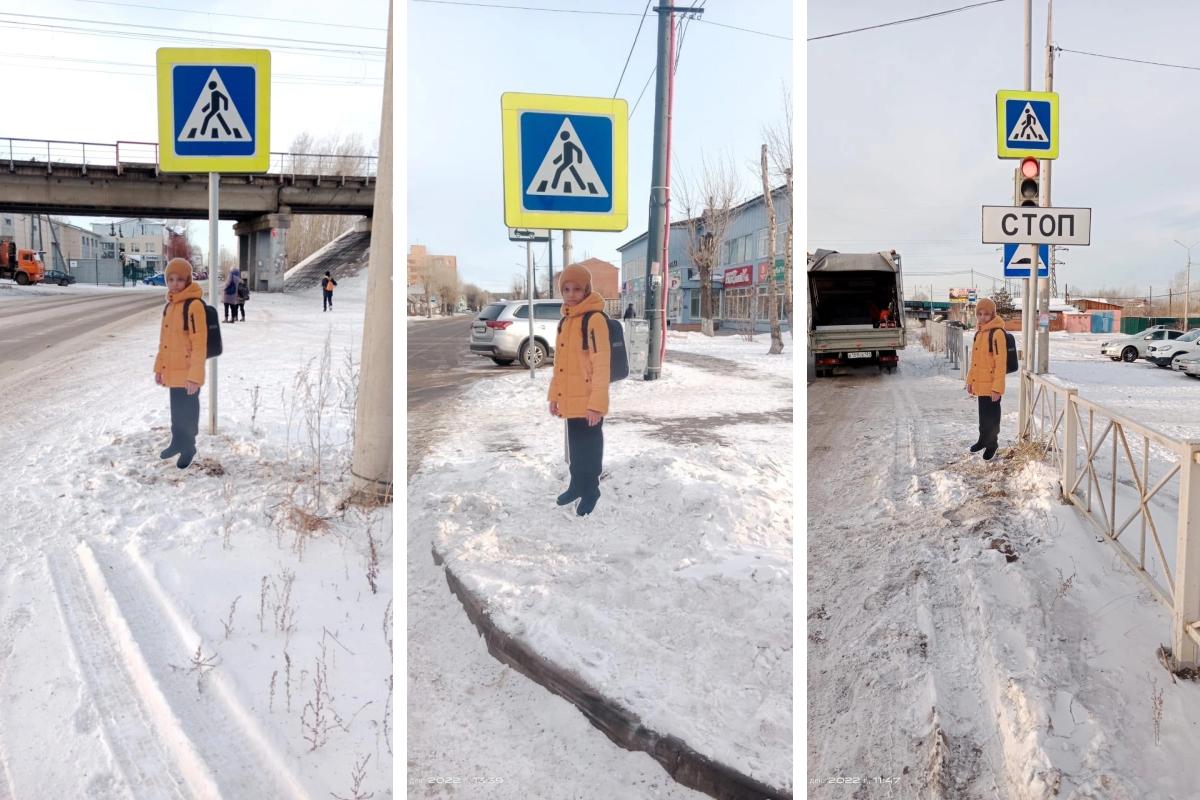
989, 451
587, 503
975, 448
185, 458
172, 450
570, 495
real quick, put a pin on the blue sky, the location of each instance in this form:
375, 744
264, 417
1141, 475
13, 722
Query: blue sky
729, 84
902, 141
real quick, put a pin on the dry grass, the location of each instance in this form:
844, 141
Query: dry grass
228, 622
357, 776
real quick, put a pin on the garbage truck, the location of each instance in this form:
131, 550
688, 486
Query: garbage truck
855, 310
21, 265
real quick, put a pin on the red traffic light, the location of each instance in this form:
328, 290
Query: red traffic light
1029, 168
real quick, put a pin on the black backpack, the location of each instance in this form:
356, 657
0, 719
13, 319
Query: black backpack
618, 359
214, 346
1012, 364
243, 290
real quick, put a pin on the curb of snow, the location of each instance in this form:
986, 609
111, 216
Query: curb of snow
686, 766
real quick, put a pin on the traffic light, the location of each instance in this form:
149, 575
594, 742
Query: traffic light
1027, 183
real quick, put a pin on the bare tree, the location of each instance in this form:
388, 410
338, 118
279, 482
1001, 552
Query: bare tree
476, 298
772, 295
334, 155
518, 286
229, 260
707, 202
447, 287
779, 140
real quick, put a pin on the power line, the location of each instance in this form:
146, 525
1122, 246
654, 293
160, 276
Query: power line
340, 80
649, 78
529, 8
641, 22
902, 21
1120, 58
235, 16
161, 38
764, 33
349, 45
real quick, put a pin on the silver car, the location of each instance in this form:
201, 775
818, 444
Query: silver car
501, 331
1182, 363
1166, 352
1131, 348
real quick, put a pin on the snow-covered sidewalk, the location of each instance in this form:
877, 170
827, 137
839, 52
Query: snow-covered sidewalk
221, 631
969, 636
673, 601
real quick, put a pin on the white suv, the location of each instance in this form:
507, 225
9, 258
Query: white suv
1164, 352
1131, 348
501, 331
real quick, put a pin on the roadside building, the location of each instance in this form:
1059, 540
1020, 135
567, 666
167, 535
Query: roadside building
741, 278
140, 241
425, 266
606, 280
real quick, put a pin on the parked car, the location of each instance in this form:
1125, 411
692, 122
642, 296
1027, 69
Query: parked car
1163, 353
59, 277
1181, 363
1191, 366
156, 280
501, 331
1131, 348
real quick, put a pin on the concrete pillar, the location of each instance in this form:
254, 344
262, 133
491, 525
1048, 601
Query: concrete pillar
372, 467
262, 250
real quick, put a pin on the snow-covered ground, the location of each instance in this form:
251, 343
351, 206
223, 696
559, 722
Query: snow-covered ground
222, 631
673, 599
10, 290
968, 635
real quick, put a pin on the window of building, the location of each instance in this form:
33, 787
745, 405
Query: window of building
149, 247
737, 303
760, 249
133, 248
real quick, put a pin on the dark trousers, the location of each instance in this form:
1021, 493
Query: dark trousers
585, 448
242, 308
989, 422
328, 301
185, 419
230, 307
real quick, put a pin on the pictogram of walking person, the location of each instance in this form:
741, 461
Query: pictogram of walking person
1027, 126
217, 103
569, 156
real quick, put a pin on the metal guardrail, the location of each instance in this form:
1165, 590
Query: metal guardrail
145, 154
1100, 475
951, 342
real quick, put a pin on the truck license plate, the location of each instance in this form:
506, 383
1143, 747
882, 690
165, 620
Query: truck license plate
858, 355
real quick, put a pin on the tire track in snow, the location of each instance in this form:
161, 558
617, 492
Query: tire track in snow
12, 622
223, 733
140, 737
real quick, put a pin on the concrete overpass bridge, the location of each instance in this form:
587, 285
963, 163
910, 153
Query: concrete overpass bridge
123, 179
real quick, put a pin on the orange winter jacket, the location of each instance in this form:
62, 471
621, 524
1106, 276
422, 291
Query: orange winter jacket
181, 354
580, 379
986, 375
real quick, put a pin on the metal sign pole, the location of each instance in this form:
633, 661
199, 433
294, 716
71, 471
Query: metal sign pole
529, 289
214, 183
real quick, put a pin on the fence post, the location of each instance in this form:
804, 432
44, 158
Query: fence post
1187, 561
1070, 445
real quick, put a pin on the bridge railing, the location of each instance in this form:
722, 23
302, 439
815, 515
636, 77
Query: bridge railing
145, 154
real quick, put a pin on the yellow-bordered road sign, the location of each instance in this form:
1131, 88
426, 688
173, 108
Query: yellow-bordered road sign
214, 110
1026, 124
566, 162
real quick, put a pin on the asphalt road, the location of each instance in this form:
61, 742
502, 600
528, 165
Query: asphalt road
440, 365
32, 324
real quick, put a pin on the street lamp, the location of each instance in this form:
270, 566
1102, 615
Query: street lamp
1187, 292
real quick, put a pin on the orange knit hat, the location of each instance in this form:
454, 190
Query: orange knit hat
579, 274
178, 266
986, 304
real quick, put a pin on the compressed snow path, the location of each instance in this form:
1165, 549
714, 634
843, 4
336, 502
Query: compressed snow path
937, 667
674, 598
116, 566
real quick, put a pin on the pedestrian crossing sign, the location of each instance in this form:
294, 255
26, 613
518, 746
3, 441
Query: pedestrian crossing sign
214, 108
1026, 124
565, 162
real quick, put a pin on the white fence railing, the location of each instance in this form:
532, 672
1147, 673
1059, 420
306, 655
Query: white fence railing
1118, 472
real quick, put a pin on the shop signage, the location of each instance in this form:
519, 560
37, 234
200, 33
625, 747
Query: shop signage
739, 276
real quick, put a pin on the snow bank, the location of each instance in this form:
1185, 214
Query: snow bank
248, 614
673, 599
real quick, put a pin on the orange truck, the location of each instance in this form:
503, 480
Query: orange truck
22, 266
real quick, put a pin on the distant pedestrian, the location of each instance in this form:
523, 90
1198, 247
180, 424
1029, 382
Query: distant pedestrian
179, 365
579, 389
327, 284
243, 294
985, 379
230, 296
628, 312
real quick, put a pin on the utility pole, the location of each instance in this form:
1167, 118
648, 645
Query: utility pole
1027, 313
550, 252
659, 190
1187, 297
371, 469
214, 219
1043, 345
